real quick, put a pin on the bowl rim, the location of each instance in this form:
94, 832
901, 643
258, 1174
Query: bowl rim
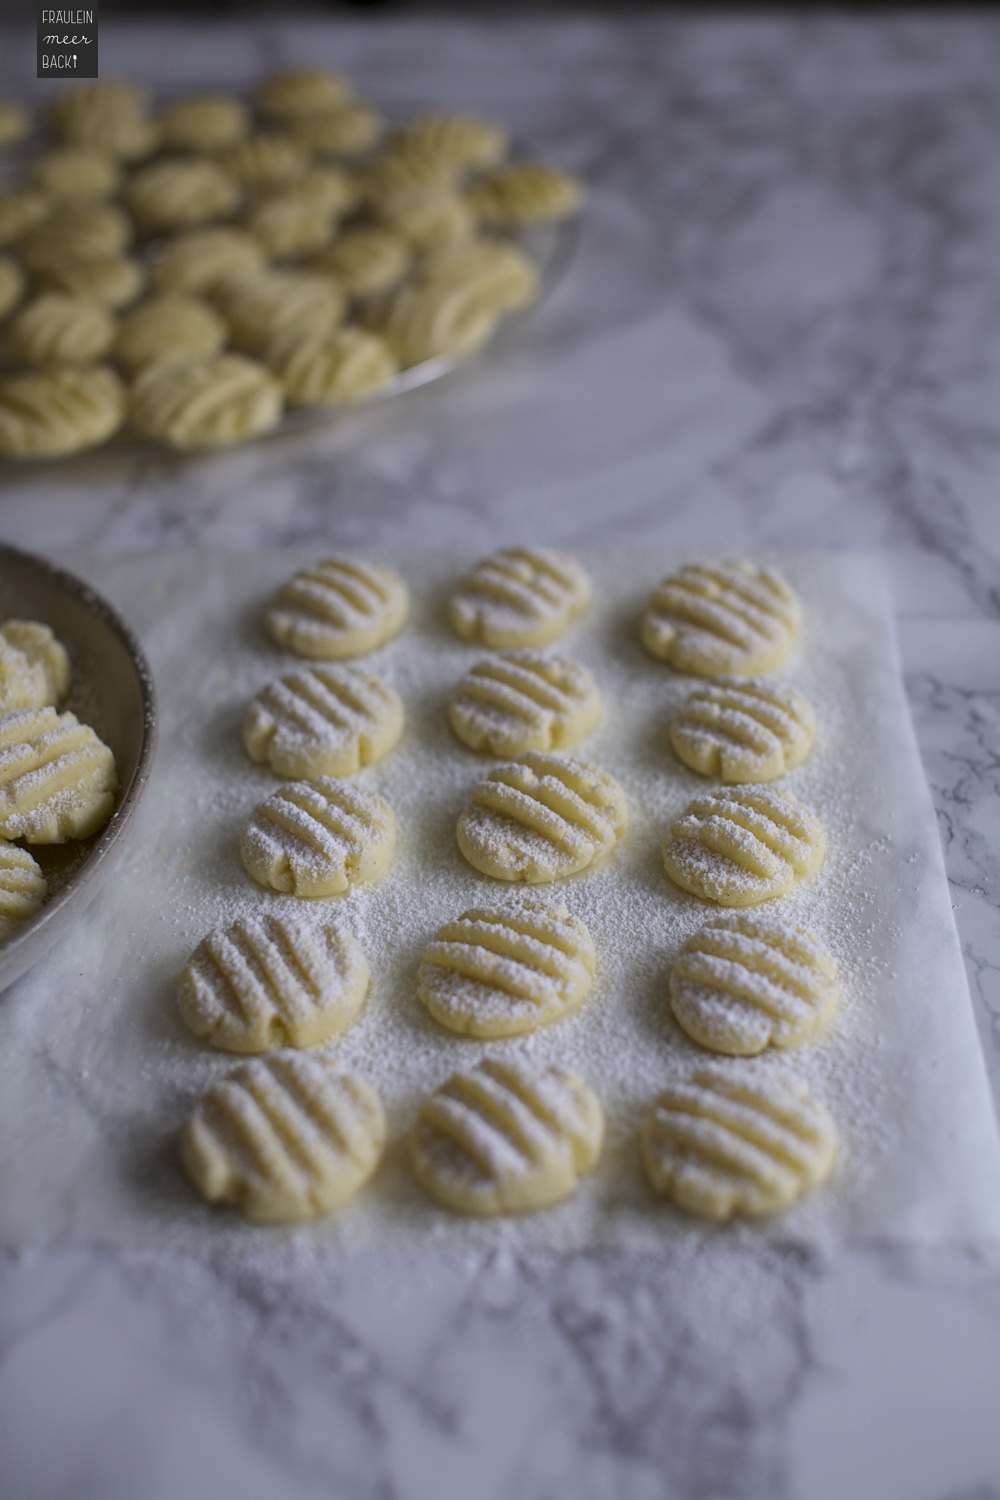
21, 950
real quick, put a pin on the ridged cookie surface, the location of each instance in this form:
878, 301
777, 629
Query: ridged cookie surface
57, 779
22, 889
342, 606
522, 596
318, 838
521, 700
34, 666
743, 729
715, 619
743, 845
323, 721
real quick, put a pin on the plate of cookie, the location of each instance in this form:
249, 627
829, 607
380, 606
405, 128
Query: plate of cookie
77, 738
213, 268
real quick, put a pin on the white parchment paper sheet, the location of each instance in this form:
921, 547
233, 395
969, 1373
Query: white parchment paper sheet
97, 1071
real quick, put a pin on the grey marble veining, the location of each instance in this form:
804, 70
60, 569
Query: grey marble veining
782, 327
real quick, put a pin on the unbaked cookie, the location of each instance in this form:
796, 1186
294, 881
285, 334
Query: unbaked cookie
503, 971
740, 984
319, 838
433, 322
266, 982
342, 606
22, 889
500, 276
169, 327
399, 176
460, 140
12, 284
717, 619
205, 122
181, 194
742, 846
334, 369
295, 92
431, 223
743, 729
20, 210
265, 161
365, 260
290, 223
206, 405
344, 131
77, 174
113, 280
284, 1138
204, 260
737, 1138
73, 232
34, 666
57, 779
524, 596
523, 701
49, 413
526, 192
15, 122
57, 329
505, 1137
281, 305
541, 818
323, 721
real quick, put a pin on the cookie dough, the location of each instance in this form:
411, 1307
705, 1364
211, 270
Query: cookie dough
12, 284
526, 192
113, 280
297, 92
344, 131
205, 122
505, 1137
57, 779
284, 1138
22, 889
742, 846
57, 329
205, 405
21, 209
265, 161
350, 364
15, 122
34, 666
49, 413
78, 174
342, 606
741, 983
283, 305
180, 194
204, 260
365, 260
500, 276
435, 322
431, 223
737, 1138
720, 619
460, 140
169, 327
522, 700
323, 721
319, 838
74, 232
273, 981
542, 818
523, 596
743, 729
503, 971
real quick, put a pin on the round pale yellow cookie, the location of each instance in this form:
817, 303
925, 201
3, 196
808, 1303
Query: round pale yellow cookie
57, 329
523, 701
268, 981
34, 666
319, 838
288, 224
331, 369
205, 122
721, 619
295, 92
460, 140
12, 284
500, 276
21, 209
339, 607
743, 729
203, 260
108, 116
525, 193
366, 260
114, 280
281, 305
431, 223
77, 174
542, 818
169, 327
23, 889
741, 983
344, 131
57, 779
265, 161
74, 232
206, 405
323, 721
501, 972
181, 194
15, 122
733, 1138
399, 176
505, 1138
327, 188
523, 596
743, 845
50, 413
284, 1138
430, 322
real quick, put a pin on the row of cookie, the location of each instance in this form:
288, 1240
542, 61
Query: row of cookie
57, 778
291, 1136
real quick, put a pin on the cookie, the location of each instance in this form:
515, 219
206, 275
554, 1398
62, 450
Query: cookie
205, 122
34, 666
169, 327
462, 141
21, 209
505, 1137
323, 721
15, 122
334, 369
284, 1138
346, 130
721, 619
399, 176
522, 700
740, 984
269, 981
281, 305
50, 413
12, 285
113, 280
205, 405
434, 322
500, 276
57, 779
319, 838
265, 160
339, 607
204, 260
297, 92
22, 889
365, 260
181, 194
523, 596
75, 232
737, 1138
525, 193
742, 846
431, 223
743, 729
504, 971
77, 174
57, 329
542, 818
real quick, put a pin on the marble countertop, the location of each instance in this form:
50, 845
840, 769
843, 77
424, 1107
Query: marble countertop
782, 328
